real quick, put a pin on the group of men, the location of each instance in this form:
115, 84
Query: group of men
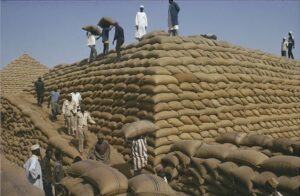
141, 24
40, 173
287, 45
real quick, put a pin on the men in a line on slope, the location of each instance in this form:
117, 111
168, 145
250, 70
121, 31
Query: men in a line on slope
33, 168
141, 23
83, 117
54, 102
69, 112
173, 18
39, 89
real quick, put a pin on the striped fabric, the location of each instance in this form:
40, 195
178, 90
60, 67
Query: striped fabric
139, 153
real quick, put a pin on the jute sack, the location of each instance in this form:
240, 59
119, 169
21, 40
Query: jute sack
250, 158
106, 21
289, 185
259, 181
170, 159
217, 151
138, 128
282, 165
149, 185
107, 180
231, 137
256, 140
82, 189
282, 145
92, 29
189, 147
242, 177
79, 168
69, 182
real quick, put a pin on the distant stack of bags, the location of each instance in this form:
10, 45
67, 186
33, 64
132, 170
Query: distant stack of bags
236, 164
192, 88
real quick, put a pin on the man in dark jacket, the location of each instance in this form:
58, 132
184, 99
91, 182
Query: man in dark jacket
291, 45
119, 36
39, 89
173, 18
47, 172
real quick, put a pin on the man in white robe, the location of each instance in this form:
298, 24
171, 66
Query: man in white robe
141, 23
33, 168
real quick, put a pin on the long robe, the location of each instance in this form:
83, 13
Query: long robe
141, 22
33, 169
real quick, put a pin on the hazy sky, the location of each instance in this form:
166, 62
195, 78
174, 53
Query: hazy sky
50, 31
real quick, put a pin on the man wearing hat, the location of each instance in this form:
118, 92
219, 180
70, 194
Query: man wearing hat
83, 117
101, 150
284, 46
141, 23
33, 168
271, 186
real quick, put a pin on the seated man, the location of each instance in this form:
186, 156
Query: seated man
101, 150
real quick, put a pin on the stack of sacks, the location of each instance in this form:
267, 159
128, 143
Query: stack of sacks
262, 143
192, 88
22, 127
90, 177
226, 169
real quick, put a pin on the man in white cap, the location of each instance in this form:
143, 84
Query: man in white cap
284, 46
33, 168
141, 23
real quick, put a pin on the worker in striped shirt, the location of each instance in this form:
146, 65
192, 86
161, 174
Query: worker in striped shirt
139, 154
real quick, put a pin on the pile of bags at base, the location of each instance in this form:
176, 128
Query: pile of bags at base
223, 168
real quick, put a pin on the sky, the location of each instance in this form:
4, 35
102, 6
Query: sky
50, 31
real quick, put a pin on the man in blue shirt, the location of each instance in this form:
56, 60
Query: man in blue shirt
54, 102
105, 38
173, 18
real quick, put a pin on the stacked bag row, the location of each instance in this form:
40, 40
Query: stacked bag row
198, 168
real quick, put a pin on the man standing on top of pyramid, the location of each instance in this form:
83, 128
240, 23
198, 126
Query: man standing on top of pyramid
141, 23
173, 18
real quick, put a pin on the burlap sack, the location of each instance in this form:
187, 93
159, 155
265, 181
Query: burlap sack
149, 185
107, 180
251, 158
231, 137
189, 147
217, 151
79, 168
82, 189
259, 181
138, 128
170, 159
282, 165
242, 177
106, 21
69, 182
256, 140
92, 29
282, 145
289, 185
